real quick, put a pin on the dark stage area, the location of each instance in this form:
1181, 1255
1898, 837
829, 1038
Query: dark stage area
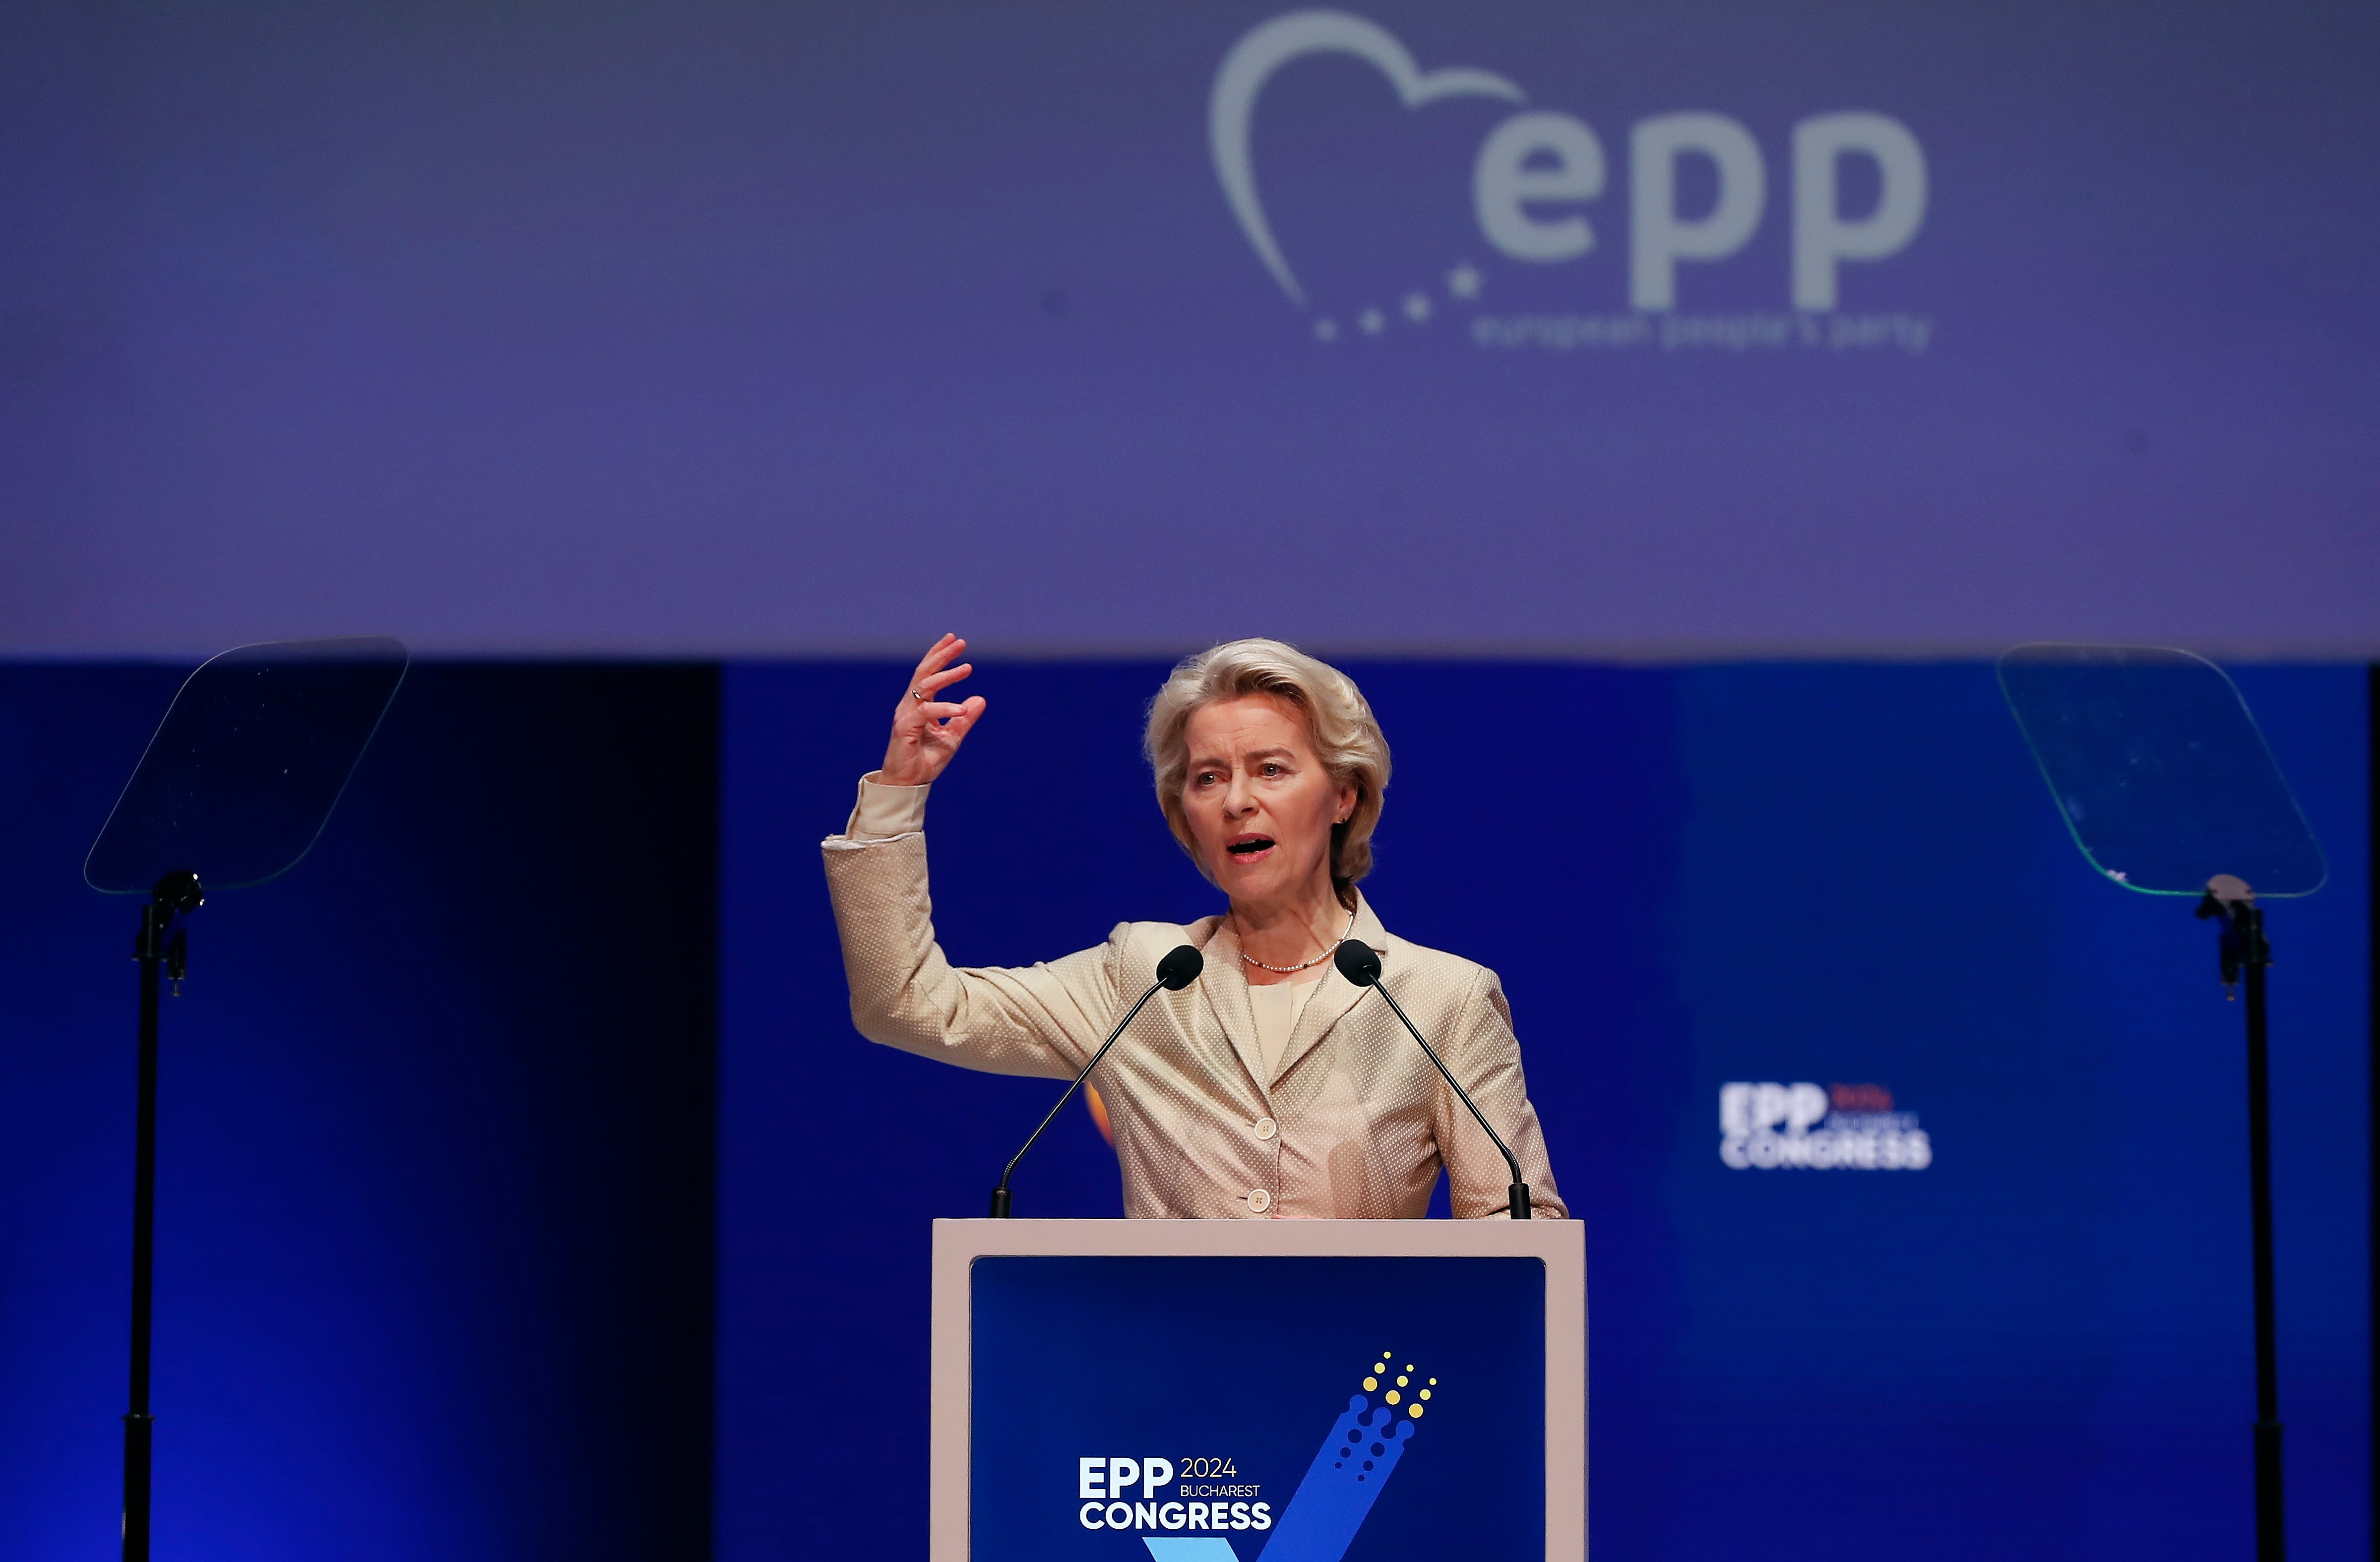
436, 1170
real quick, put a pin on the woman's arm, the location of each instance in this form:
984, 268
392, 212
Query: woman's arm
1035, 1020
1486, 1055
1042, 1020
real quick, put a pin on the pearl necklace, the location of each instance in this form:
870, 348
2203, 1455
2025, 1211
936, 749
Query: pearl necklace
1309, 965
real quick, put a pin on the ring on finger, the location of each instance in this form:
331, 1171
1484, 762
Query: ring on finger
918, 695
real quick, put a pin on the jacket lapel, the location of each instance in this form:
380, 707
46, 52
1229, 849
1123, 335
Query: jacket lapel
1333, 996
1225, 985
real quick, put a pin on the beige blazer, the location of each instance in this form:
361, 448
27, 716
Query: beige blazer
1354, 1124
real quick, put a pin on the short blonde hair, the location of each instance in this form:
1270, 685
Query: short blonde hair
1339, 722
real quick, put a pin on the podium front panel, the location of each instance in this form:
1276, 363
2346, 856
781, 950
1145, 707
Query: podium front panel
1217, 1391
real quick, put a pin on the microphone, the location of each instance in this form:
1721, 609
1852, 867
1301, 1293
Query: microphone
1360, 963
1176, 971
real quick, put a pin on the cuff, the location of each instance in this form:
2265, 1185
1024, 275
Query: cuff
884, 811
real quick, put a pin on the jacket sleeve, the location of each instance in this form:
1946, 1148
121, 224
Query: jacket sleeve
1484, 1055
1041, 1020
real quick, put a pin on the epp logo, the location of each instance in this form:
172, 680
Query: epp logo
1753, 1109
1362, 1448
1766, 1126
1540, 169
1124, 1493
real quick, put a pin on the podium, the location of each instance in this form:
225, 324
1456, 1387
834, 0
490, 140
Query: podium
1230, 1390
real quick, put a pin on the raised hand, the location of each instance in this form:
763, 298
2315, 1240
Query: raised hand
928, 730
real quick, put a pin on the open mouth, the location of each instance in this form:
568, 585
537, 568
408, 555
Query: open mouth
1250, 846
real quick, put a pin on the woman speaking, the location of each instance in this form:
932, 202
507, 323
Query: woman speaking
1268, 1087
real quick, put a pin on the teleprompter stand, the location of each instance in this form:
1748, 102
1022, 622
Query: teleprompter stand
176, 894
236, 786
2168, 789
2243, 954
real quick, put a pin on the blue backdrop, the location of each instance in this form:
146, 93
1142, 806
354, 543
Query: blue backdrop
440, 1272
2038, 1345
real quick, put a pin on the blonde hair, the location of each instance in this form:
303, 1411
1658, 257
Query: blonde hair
1338, 722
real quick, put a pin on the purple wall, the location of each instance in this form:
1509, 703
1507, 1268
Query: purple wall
733, 327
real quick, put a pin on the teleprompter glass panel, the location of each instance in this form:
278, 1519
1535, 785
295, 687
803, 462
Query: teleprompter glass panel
2159, 771
242, 772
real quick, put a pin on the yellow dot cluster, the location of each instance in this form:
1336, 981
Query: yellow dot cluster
1404, 1381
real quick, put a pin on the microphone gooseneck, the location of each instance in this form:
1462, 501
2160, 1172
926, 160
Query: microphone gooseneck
1176, 971
1360, 963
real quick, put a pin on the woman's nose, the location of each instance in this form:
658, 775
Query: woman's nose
1237, 798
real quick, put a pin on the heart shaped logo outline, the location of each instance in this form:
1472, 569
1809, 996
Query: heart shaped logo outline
1231, 111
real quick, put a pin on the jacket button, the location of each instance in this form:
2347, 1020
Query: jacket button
1260, 1201
1266, 1128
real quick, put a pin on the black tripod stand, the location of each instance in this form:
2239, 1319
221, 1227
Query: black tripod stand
2245, 954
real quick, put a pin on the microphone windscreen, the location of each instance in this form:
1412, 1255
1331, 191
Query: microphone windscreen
1358, 961
1180, 969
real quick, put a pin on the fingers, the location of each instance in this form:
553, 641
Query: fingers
936, 681
923, 741
941, 713
933, 675
927, 731
938, 657
957, 726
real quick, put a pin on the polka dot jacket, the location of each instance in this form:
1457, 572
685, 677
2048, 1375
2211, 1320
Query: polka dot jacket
1354, 1124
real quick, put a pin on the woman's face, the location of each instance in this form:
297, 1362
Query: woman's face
1259, 803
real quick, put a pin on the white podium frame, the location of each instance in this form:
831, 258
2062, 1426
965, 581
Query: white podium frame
1561, 1245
